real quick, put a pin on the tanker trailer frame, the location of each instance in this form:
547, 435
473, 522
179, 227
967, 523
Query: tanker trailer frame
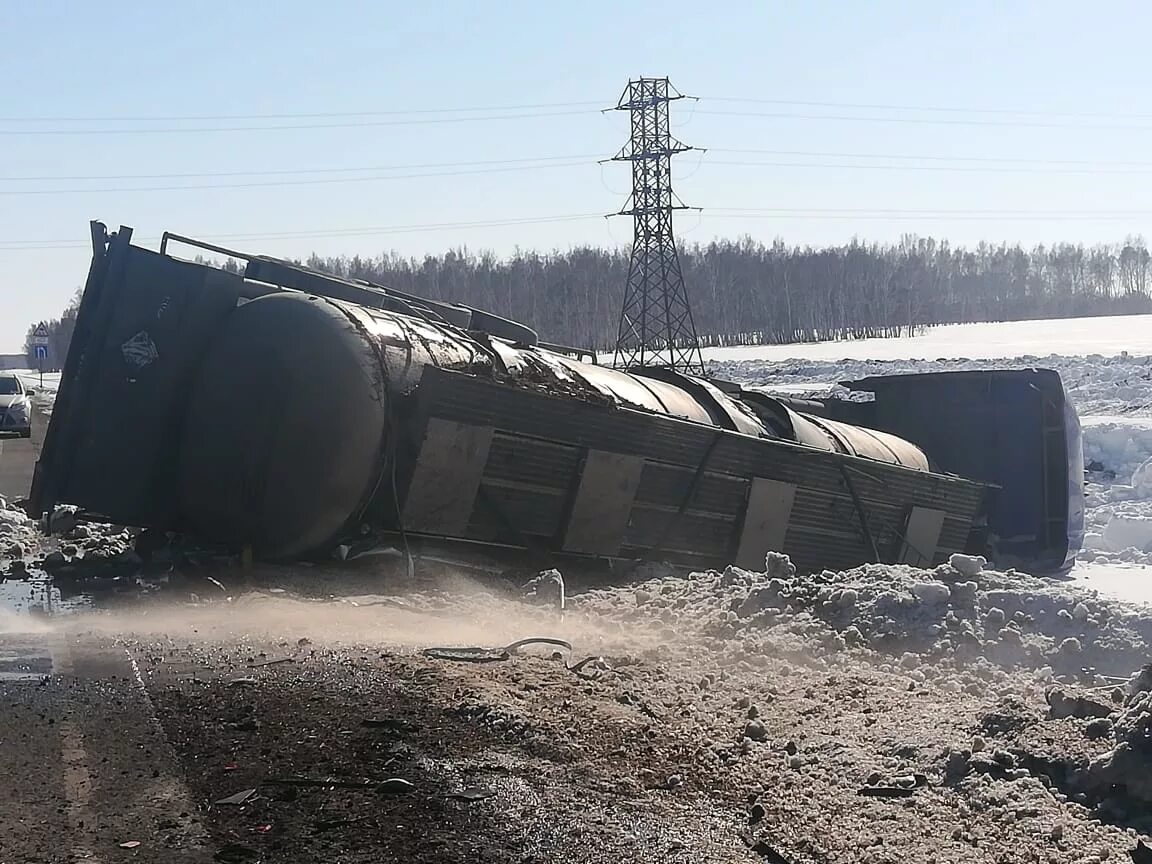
290, 411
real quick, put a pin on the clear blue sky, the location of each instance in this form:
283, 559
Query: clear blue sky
151, 60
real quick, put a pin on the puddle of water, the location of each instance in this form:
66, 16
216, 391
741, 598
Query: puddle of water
35, 597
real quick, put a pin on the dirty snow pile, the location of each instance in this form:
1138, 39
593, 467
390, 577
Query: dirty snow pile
18, 535
1118, 520
59, 542
958, 620
1127, 764
1006, 638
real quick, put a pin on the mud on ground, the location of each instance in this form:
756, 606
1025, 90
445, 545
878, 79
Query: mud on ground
878, 715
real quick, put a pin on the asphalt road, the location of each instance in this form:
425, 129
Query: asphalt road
17, 460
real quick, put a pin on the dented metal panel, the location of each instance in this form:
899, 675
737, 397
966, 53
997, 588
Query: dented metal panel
722, 410
603, 504
871, 444
622, 389
447, 477
922, 536
765, 521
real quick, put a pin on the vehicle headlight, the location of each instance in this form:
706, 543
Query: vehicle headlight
19, 410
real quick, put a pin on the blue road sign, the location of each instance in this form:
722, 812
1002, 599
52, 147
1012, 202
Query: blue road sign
41, 352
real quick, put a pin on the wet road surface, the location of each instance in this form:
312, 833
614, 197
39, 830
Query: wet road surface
17, 460
85, 762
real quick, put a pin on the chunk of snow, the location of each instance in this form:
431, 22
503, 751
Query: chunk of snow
1128, 531
968, 565
1142, 480
931, 593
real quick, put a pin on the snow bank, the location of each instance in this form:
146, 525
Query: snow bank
1121, 445
897, 615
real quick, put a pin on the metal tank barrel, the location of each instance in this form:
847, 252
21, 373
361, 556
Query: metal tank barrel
293, 414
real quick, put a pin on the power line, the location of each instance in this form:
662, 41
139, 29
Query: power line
280, 183
716, 213
914, 210
901, 214
19, 245
942, 168
293, 126
295, 116
929, 121
950, 109
924, 157
536, 106
293, 171
573, 157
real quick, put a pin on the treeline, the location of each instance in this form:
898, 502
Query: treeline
59, 337
746, 292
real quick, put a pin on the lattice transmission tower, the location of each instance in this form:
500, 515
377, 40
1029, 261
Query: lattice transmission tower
656, 326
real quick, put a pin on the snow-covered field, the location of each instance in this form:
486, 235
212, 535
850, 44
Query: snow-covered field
1070, 336
1106, 365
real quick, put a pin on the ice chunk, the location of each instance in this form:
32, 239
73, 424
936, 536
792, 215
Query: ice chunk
931, 593
1142, 480
13, 517
1126, 531
968, 565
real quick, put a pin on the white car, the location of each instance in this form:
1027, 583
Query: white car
15, 406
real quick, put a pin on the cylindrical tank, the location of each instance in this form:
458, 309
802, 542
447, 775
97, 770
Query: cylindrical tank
285, 436
284, 427
287, 431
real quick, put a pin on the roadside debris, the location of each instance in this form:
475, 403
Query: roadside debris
395, 786
238, 799
546, 589
472, 793
1080, 705
276, 661
489, 655
392, 785
1128, 765
886, 791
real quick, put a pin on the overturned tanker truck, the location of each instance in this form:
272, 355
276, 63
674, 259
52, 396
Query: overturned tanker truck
292, 413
